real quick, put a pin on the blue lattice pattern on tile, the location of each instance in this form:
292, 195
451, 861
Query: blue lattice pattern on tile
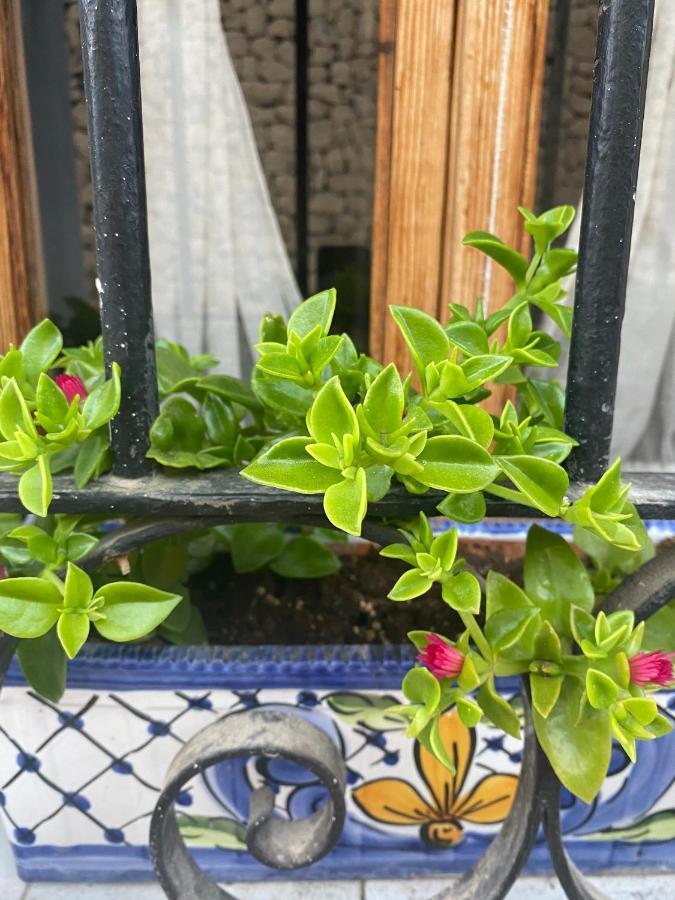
79, 781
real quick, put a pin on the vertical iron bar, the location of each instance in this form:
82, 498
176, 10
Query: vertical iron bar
301, 154
617, 109
113, 94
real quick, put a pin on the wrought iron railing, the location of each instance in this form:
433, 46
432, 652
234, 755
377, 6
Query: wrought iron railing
169, 505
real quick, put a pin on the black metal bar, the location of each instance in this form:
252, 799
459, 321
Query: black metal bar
619, 85
276, 842
226, 494
113, 93
301, 145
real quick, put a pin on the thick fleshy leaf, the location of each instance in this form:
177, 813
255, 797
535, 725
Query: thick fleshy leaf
555, 577
424, 336
73, 630
232, 389
540, 482
346, 502
288, 466
29, 607
305, 557
464, 508
79, 589
253, 546
332, 413
103, 402
498, 710
132, 610
50, 400
384, 401
601, 689
40, 348
316, 310
462, 593
453, 463
545, 692
508, 258
43, 663
576, 738
504, 594
412, 583
14, 413
420, 686
35, 487
93, 457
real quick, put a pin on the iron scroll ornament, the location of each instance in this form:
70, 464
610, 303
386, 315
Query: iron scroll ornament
281, 844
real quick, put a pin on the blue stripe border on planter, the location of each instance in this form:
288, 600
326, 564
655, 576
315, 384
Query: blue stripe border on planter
137, 667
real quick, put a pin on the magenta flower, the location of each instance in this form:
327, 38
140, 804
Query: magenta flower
71, 386
652, 668
441, 658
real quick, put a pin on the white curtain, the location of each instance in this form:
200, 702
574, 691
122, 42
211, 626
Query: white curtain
217, 256
644, 421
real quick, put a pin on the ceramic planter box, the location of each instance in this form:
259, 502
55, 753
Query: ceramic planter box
78, 782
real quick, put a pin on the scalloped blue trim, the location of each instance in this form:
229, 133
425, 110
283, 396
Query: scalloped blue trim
332, 667
516, 529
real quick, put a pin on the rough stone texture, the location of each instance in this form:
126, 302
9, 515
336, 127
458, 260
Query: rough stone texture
342, 73
341, 112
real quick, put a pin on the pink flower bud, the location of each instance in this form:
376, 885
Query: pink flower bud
71, 386
652, 668
441, 658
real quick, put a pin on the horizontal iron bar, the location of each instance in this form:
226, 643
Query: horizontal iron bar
226, 494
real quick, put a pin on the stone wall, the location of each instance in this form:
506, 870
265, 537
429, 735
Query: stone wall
342, 75
341, 111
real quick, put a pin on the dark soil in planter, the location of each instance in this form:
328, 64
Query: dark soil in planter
350, 607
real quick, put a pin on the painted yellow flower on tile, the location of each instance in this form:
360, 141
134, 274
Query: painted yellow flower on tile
393, 801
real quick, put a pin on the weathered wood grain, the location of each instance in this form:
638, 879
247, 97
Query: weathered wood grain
22, 294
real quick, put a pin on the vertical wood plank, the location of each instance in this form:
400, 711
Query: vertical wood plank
458, 129
422, 70
22, 296
382, 189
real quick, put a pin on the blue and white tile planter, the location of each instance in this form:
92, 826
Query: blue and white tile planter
78, 782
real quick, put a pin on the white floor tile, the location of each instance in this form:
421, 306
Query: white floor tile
329, 890
413, 889
628, 887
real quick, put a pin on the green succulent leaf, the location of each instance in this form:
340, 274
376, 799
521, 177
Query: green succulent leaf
424, 336
29, 607
555, 577
131, 610
35, 487
40, 348
316, 310
288, 466
346, 502
305, 557
332, 413
457, 464
498, 710
103, 402
43, 663
577, 740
